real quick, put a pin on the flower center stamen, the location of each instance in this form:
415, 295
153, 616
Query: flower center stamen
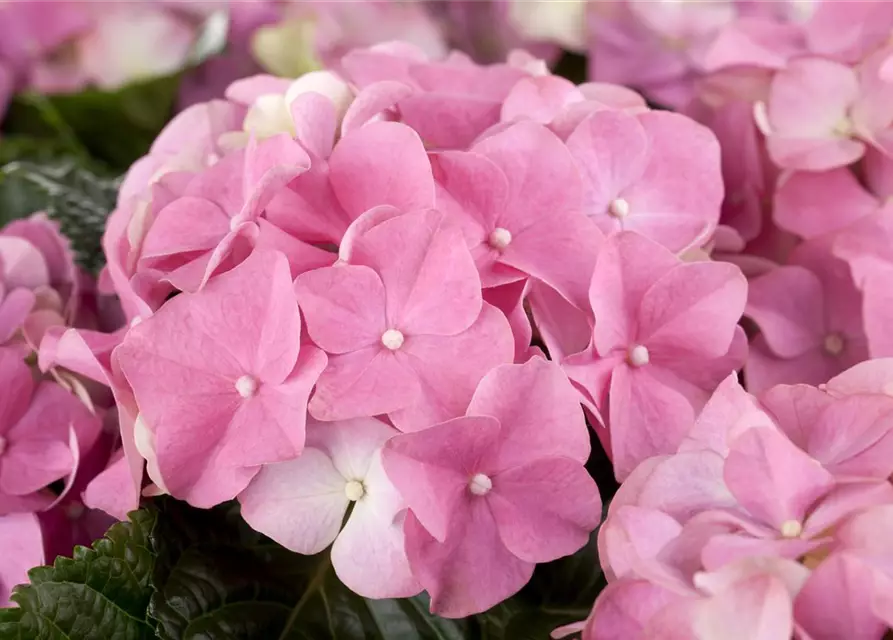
833, 344
246, 386
791, 529
638, 356
619, 208
480, 484
392, 339
500, 238
354, 490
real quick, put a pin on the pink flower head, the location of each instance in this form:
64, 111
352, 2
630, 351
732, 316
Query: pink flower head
752, 599
497, 491
810, 318
820, 114
380, 163
301, 504
665, 335
217, 220
42, 427
22, 542
452, 101
404, 324
656, 173
517, 195
221, 381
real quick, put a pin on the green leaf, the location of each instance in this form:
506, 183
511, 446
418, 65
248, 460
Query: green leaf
70, 193
116, 127
217, 579
99, 594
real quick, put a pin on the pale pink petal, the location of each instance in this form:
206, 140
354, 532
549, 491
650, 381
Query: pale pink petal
755, 608
624, 608
369, 556
773, 479
300, 503
23, 264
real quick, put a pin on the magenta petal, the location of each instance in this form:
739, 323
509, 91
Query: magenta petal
449, 368
432, 468
538, 410
471, 571
366, 163
18, 386
774, 480
545, 509
344, 307
368, 382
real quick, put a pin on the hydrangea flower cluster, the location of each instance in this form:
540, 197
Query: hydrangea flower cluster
52, 441
772, 519
340, 292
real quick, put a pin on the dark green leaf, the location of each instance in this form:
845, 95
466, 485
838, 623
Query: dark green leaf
99, 594
73, 195
216, 578
117, 127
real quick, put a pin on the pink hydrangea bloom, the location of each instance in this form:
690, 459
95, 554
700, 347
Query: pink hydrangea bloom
404, 323
221, 381
302, 503
496, 491
665, 335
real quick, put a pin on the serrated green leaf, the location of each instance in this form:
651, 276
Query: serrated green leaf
78, 198
99, 594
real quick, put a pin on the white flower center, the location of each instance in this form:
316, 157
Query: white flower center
500, 238
392, 339
2, 445
833, 344
480, 484
638, 355
791, 528
619, 208
246, 386
354, 490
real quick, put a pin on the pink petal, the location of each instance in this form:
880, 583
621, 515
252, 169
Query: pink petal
300, 503
448, 369
545, 509
788, 304
14, 308
621, 278
774, 480
632, 535
23, 264
802, 201
764, 370
539, 99
564, 329
368, 382
836, 601
756, 608
648, 416
693, 309
422, 261
472, 185
363, 177
538, 410
624, 608
471, 571
432, 469
371, 101
344, 307
22, 541
30, 465
112, 491
369, 556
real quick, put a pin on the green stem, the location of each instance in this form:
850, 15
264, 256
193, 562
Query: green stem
315, 583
